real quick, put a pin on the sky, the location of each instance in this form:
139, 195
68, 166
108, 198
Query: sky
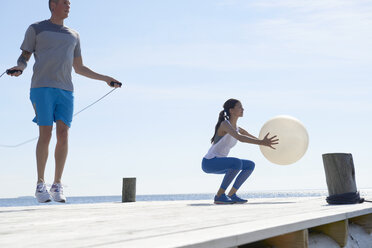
179, 62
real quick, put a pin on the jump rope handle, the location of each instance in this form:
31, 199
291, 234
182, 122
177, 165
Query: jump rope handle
12, 71
112, 83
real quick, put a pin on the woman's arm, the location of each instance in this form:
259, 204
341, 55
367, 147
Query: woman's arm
242, 131
266, 141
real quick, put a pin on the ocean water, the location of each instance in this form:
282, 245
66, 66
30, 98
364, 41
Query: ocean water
31, 201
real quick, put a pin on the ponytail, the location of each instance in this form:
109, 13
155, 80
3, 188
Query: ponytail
224, 115
221, 118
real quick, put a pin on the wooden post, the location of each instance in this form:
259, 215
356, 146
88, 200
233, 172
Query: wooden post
340, 173
129, 190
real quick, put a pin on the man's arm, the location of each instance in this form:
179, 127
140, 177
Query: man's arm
81, 69
21, 63
23, 59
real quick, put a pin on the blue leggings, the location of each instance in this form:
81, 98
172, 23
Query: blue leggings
230, 167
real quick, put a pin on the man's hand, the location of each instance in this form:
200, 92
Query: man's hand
21, 64
116, 83
17, 71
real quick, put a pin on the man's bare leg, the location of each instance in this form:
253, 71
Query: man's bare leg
61, 150
42, 151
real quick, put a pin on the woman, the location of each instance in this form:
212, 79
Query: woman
226, 135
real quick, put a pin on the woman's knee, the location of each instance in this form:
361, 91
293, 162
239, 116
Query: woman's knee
236, 164
253, 165
248, 165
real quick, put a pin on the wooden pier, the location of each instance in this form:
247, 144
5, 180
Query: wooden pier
283, 222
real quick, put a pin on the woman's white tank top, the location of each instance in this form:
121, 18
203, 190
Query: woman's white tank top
222, 147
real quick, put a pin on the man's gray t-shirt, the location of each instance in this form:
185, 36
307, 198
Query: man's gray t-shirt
54, 47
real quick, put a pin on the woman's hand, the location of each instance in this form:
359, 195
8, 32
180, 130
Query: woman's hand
270, 141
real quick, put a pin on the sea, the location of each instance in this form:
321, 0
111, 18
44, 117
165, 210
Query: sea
31, 201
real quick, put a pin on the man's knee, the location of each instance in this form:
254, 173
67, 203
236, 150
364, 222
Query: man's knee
62, 135
62, 132
45, 134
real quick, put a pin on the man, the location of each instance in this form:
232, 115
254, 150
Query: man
56, 50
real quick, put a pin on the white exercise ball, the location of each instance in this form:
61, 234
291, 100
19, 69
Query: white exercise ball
293, 140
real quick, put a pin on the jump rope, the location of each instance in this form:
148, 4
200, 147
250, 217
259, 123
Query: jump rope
113, 84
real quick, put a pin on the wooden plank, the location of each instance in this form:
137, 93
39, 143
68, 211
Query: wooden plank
299, 239
199, 224
258, 244
364, 221
338, 231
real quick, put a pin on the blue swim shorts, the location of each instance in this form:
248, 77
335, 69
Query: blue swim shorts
51, 105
